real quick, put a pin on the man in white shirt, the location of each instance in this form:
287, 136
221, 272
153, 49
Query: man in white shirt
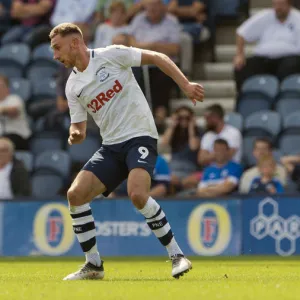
277, 34
102, 84
217, 129
13, 118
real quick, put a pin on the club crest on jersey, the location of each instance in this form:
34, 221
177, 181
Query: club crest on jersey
102, 74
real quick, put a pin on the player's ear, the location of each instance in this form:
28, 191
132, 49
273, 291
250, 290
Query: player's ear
74, 42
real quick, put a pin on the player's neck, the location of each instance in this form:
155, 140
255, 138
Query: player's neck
82, 60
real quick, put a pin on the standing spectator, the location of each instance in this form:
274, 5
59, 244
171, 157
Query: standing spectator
107, 31
222, 176
160, 181
216, 128
14, 179
156, 30
34, 22
277, 33
262, 148
13, 116
266, 182
183, 137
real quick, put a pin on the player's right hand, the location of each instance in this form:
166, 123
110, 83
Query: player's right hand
75, 137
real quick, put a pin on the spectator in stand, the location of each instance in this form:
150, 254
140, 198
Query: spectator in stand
34, 22
14, 178
73, 11
216, 128
132, 8
191, 14
107, 31
266, 182
292, 166
156, 30
262, 148
13, 117
222, 176
160, 181
277, 33
182, 135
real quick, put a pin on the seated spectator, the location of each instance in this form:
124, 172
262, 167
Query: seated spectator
262, 148
266, 182
277, 33
156, 30
159, 185
222, 176
34, 22
182, 135
216, 128
13, 117
132, 8
14, 178
73, 11
107, 31
191, 15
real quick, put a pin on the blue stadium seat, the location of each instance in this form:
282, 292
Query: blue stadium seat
289, 142
43, 52
38, 71
11, 70
266, 120
292, 120
57, 160
286, 106
45, 141
234, 119
27, 158
83, 152
250, 104
21, 87
46, 185
266, 85
17, 53
43, 89
290, 87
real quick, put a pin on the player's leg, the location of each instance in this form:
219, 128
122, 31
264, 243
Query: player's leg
83, 190
141, 161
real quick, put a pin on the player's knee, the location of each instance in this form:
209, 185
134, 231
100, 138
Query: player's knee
75, 198
138, 198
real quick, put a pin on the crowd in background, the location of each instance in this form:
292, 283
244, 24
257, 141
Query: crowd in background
204, 162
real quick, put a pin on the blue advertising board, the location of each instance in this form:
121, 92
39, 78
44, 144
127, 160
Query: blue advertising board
271, 226
205, 228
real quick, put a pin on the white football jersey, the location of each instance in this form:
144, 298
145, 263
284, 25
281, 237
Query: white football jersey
108, 91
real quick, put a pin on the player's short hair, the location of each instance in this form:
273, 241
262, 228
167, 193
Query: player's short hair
221, 142
65, 29
117, 5
264, 140
4, 79
216, 109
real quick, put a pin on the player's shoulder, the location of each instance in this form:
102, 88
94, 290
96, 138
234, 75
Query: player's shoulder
72, 81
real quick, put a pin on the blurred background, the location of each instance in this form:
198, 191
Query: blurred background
234, 159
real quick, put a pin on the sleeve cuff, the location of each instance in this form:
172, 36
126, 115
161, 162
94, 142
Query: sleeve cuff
136, 57
78, 118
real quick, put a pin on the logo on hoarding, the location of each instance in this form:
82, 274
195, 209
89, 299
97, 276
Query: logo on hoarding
209, 229
269, 223
53, 233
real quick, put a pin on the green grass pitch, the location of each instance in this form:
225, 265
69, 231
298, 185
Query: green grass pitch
149, 279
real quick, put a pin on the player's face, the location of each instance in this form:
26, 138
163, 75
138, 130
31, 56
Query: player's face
282, 8
261, 150
221, 153
63, 50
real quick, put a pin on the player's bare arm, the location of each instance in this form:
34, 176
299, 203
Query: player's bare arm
194, 91
77, 133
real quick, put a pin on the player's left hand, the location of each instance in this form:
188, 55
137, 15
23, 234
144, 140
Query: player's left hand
194, 91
